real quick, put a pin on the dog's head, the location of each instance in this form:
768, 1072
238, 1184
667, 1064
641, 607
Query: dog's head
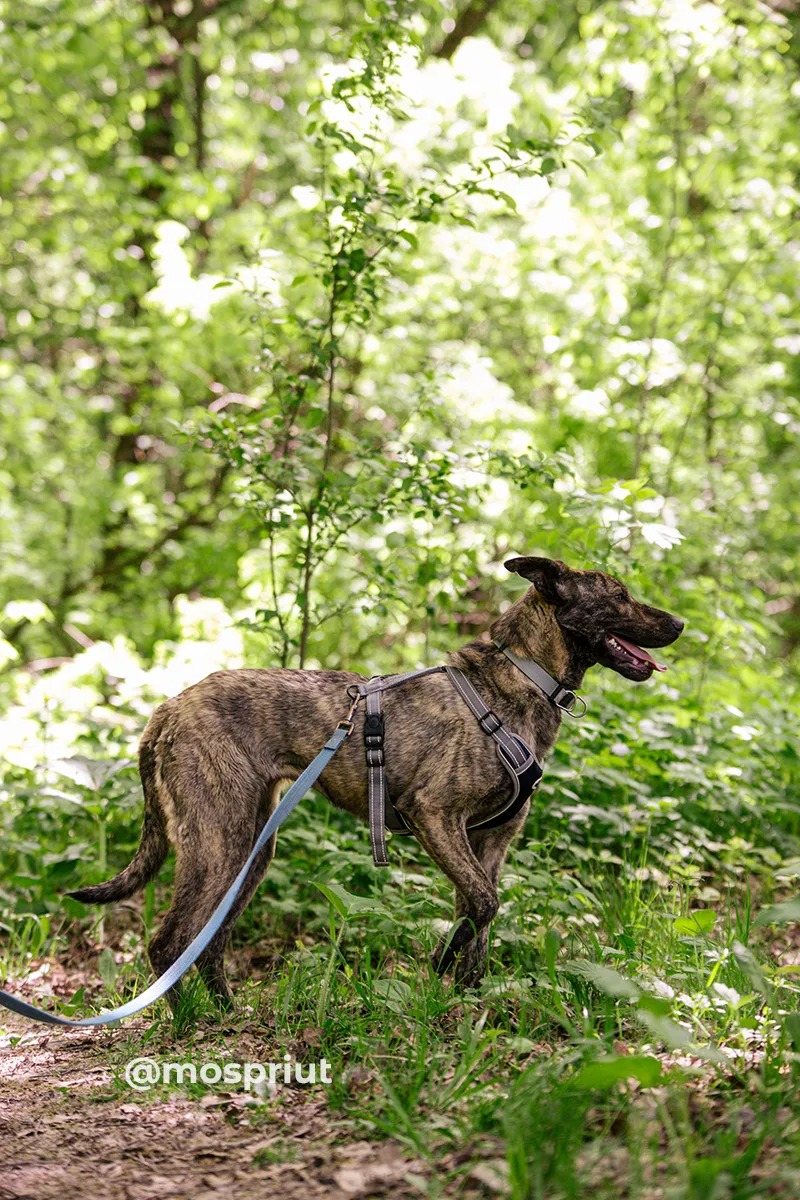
600, 619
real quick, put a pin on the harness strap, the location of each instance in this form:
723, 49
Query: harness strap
489, 721
382, 683
377, 791
519, 760
382, 813
523, 766
563, 697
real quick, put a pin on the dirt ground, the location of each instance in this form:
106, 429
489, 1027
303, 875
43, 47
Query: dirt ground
68, 1129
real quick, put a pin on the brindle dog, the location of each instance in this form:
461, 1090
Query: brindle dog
213, 759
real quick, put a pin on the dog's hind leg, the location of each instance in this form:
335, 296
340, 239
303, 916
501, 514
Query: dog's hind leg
208, 860
211, 963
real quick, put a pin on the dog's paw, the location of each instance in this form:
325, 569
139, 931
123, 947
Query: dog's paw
468, 975
441, 960
470, 964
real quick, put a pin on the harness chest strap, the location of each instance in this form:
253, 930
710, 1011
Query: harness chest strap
378, 794
516, 757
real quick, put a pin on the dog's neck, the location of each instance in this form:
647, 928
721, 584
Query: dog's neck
531, 630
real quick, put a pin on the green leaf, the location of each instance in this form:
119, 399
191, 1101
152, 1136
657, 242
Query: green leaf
610, 982
345, 902
521, 1045
107, 968
606, 1072
90, 773
659, 1005
75, 1002
395, 994
751, 969
699, 922
791, 1024
678, 1038
779, 914
667, 1031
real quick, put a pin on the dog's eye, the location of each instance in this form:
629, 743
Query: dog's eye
620, 595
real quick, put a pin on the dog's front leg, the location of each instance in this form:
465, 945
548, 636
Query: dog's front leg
443, 833
490, 847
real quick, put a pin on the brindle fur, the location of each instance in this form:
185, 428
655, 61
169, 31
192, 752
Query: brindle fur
213, 761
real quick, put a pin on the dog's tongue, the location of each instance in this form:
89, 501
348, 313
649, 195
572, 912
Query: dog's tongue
639, 653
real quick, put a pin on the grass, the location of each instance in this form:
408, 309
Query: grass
628, 1040
636, 1035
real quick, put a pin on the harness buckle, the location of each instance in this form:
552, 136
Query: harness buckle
373, 727
490, 716
373, 738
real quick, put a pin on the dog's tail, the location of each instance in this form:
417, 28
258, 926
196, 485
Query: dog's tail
153, 843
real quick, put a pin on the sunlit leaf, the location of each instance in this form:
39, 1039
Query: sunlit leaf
604, 1073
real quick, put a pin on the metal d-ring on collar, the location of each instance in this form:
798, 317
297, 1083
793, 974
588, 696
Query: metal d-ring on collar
564, 698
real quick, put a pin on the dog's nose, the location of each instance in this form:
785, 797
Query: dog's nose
677, 625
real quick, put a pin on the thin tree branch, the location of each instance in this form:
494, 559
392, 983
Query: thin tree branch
467, 25
198, 111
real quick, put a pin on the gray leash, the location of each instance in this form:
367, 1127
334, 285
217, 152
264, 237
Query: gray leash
196, 947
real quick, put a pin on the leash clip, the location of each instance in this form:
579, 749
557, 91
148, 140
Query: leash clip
347, 723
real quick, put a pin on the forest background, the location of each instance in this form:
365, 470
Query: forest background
313, 314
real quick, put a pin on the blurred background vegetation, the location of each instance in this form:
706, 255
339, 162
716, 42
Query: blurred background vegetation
312, 314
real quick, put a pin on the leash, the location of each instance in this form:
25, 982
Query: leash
196, 947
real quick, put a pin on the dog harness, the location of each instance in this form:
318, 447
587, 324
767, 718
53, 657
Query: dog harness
517, 758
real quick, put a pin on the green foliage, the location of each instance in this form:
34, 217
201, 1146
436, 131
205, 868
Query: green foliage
311, 317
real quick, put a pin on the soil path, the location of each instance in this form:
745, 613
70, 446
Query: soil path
68, 1128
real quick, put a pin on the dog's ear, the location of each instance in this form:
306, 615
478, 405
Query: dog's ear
547, 575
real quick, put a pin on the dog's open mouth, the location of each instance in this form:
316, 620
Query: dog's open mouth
627, 654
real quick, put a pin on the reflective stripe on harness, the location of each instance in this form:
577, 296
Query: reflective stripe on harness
517, 758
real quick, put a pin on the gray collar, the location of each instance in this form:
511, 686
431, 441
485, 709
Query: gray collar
563, 697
